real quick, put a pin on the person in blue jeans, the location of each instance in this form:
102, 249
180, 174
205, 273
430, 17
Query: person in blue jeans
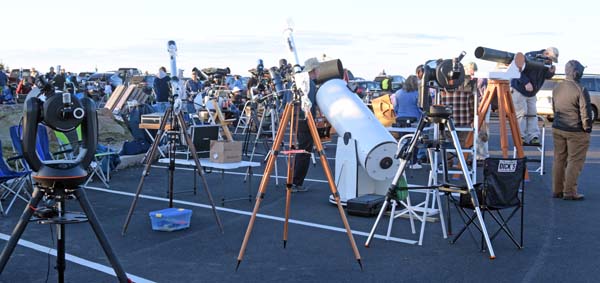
406, 108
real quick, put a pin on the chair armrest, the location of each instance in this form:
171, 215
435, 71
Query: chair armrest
62, 152
17, 157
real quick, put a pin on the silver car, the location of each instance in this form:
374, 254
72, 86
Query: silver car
544, 96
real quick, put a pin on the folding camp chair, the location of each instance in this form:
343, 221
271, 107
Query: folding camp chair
12, 184
69, 142
503, 188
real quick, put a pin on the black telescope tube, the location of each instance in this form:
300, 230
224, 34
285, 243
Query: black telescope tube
328, 70
493, 55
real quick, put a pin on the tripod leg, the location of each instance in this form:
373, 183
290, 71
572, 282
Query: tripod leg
383, 208
20, 228
190, 143
273, 135
258, 133
334, 191
391, 221
290, 174
463, 163
148, 159
60, 243
91, 215
265, 180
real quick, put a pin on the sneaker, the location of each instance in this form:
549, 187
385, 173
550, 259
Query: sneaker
415, 166
573, 197
297, 189
535, 141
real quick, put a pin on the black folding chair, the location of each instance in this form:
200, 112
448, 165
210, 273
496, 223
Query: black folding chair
503, 188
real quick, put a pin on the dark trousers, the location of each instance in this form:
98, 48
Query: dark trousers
302, 160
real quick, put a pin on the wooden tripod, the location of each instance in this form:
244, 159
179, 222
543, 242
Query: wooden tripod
286, 118
506, 109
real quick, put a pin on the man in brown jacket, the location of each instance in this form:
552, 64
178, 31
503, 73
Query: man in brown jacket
571, 130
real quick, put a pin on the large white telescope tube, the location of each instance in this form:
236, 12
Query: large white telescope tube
348, 114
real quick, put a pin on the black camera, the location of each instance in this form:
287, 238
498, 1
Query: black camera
440, 74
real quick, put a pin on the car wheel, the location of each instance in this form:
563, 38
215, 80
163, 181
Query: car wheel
594, 113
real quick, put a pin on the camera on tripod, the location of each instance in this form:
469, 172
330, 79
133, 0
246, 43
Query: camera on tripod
440, 74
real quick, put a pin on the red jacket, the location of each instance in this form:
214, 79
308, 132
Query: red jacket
23, 89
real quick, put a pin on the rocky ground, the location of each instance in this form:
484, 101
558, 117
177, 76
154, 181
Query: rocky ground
108, 127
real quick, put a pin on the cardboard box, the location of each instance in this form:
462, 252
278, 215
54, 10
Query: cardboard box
225, 151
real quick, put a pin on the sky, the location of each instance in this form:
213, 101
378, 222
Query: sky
367, 36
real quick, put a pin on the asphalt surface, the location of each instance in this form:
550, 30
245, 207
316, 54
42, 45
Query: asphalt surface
561, 237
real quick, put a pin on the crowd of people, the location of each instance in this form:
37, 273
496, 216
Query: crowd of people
571, 104
63, 80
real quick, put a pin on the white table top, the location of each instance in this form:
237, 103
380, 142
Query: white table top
407, 129
205, 162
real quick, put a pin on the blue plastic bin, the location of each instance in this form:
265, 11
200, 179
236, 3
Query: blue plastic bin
170, 219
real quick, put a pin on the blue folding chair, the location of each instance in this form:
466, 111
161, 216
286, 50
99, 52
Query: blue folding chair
12, 184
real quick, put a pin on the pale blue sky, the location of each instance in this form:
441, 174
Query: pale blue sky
368, 36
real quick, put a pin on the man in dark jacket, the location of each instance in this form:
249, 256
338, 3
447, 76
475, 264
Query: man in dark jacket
162, 90
571, 130
524, 90
305, 140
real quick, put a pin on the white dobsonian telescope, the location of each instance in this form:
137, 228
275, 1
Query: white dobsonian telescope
365, 162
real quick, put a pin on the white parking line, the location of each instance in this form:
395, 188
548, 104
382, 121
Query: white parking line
242, 212
74, 259
238, 173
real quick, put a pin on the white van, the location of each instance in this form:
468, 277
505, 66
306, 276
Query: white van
544, 96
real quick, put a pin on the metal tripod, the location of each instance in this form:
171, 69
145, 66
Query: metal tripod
270, 109
287, 116
60, 220
406, 153
176, 127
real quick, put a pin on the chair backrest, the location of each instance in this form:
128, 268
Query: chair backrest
69, 141
503, 178
42, 144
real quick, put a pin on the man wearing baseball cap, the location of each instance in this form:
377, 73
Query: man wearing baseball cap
524, 90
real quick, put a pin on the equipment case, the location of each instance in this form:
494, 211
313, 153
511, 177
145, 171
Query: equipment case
366, 205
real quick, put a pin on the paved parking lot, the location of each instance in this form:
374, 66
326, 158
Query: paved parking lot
561, 242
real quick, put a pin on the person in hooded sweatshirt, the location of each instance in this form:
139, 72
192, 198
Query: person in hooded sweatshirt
571, 130
162, 90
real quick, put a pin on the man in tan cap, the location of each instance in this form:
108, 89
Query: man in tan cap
524, 90
305, 141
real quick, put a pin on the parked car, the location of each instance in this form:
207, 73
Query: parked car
82, 77
146, 82
366, 89
127, 73
16, 75
397, 81
544, 96
97, 81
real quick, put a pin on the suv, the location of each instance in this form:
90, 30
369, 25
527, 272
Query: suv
544, 96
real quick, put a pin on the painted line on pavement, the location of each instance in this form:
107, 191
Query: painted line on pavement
265, 216
74, 259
